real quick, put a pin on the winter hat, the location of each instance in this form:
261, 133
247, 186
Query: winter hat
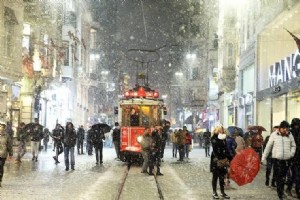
295, 121
284, 124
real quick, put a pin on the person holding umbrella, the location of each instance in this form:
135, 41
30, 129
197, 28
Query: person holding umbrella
5, 148
219, 161
283, 148
97, 137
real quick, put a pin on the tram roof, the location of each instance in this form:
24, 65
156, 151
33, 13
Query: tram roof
141, 101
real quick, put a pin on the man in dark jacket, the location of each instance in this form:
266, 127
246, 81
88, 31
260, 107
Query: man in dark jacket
80, 139
165, 136
97, 137
57, 135
69, 141
36, 133
5, 148
294, 176
206, 140
116, 139
145, 144
155, 151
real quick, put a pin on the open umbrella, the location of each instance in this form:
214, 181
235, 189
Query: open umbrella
233, 130
256, 127
105, 127
31, 125
244, 166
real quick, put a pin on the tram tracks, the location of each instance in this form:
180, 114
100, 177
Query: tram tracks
141, 185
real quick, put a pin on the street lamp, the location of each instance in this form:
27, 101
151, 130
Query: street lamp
178, 74
191, 56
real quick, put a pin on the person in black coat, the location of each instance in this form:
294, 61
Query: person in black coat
97, 137
155, 151
220, 152
69, 141
294, 176
116, 139
57, 138
80, 139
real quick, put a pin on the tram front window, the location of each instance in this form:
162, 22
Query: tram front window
134, 117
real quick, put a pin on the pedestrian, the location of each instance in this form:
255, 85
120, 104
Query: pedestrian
69, 141
258, 142
89, 143
97, 140
240, 142
270, 162
180, 139
283, 147
5, 149
165, 136
116, 139
155, 151
294, 176
9, 130
46, 138
22, 137
188, 142
57, 135
174, 143
145, 144
206, 142
231, 146
219, 161
80, 139
36, 133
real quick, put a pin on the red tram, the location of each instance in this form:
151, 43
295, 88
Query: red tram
139, 108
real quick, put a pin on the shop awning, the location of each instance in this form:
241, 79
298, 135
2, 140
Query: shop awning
9, 16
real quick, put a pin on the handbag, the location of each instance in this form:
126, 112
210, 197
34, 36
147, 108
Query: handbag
223, 162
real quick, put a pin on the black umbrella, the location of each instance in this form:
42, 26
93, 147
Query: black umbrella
105, 127
31, 126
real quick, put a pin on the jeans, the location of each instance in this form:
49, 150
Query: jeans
281, 168
181, 152
80, 146
2, 162
21, 150
218, 175
35, 148
154, 159
117, 148
59, 149
69, 152
99, 151
270, 164
186, 150
294, 177
207, 150
174, 150
145, 155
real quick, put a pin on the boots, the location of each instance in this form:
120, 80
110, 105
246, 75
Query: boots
267, 182
151, 172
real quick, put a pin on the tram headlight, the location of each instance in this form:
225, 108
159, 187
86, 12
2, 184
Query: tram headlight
139, 139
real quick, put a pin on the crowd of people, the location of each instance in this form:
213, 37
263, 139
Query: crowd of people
280, 151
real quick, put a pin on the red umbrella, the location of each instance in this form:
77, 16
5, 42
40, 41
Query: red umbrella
244, 166
256, 127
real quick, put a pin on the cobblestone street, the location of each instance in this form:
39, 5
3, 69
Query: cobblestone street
45, 180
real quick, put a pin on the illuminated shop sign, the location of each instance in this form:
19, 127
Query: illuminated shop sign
284, 70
